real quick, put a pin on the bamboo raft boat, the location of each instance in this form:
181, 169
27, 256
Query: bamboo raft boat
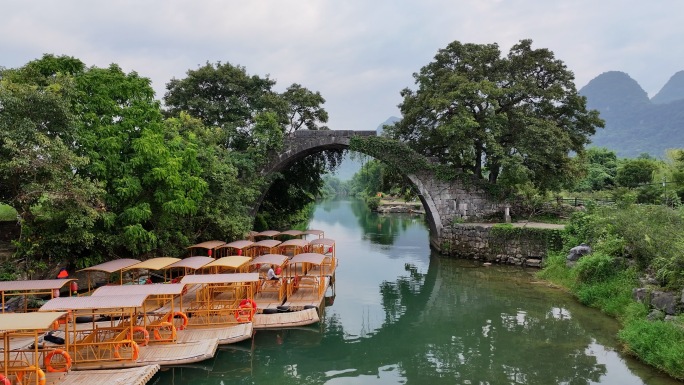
298, 297
109, 340
27, 365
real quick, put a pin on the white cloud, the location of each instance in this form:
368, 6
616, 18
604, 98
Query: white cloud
358, 54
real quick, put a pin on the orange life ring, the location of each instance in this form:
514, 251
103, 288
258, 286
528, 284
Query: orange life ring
146, 335
41, 376
244, 313
20, 376
158, 336
249, 302
134, 346
180, 314
47, 361
4, 380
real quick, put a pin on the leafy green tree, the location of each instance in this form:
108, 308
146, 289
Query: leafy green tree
58, 207
634, 172
304, 109
223, 95
601, 165
151, 174
254, 119
222, 213
509, 120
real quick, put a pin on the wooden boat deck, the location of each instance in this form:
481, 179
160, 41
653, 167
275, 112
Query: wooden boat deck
224, 334
131, 376
286, 319
161, 354
307, 297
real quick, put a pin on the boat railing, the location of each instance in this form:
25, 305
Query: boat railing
215, 312
105, 344
304, 284
268, 287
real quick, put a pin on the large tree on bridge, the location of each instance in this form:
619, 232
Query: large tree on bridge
224, 95
511, 120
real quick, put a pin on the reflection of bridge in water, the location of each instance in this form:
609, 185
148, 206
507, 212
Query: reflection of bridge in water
485, 345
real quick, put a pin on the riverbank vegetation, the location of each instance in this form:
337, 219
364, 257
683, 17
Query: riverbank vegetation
96, 168
633, 246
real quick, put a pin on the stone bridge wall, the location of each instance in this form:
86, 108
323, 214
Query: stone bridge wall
475, 241
444, 201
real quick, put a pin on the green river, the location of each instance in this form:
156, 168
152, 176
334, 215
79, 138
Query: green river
400, 314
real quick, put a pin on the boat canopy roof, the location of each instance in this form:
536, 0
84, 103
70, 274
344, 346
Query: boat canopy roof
112, 266
267, 243
153, 289
293, 233
267, 233
154, 263
273, 259
28, 321
95, 302
191, 262
220, 278
207, 245
323, 241
233, 261
295, 242
314, 258
240, 244
314, 232
36, 284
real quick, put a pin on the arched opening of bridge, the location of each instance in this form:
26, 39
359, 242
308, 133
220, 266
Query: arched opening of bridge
304, 144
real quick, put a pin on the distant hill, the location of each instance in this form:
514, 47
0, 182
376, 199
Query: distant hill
391, 120
636, 124
672, 91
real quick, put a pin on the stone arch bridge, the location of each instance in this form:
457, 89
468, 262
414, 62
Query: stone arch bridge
443, 201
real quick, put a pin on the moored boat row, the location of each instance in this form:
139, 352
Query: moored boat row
168, 311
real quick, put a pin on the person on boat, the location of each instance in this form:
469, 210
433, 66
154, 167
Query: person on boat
271, 275
63, 273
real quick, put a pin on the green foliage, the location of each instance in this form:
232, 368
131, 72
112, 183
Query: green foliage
253, 120
652, 236
7, 213
635, 172
596, 267
507, 120
392, 152
373, 202
601, 165
501, 233
556, 271
657, 343
58, 207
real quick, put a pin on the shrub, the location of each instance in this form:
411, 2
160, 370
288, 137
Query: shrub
7, 213
657, 343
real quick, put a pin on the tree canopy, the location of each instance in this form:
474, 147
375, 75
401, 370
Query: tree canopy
510, 120
253, 120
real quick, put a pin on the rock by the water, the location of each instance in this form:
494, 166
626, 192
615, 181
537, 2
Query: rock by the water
578, 251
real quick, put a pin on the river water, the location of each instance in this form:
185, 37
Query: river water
400, 314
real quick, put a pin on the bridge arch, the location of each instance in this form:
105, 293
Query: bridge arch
443, 200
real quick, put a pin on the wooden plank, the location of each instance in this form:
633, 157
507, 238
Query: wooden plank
224, 334
286, 319
131, 376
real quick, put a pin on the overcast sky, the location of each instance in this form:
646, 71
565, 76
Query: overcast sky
358, 53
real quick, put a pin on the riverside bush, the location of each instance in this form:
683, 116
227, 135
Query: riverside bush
627, 241
658, 343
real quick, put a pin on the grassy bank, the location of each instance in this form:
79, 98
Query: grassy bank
629, 243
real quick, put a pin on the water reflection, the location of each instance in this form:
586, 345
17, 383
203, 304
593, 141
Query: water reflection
401, 315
